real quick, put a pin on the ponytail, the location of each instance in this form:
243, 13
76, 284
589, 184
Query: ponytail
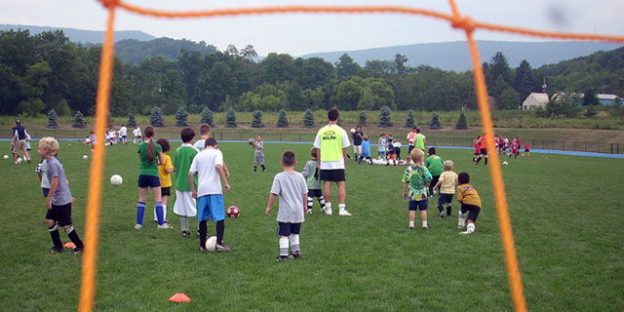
149, 134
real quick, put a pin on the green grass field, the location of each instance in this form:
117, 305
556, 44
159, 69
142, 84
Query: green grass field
566, 211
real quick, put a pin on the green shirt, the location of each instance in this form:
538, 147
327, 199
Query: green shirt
419, 141
311, 174
418, 179
182, 162
435, 165
147, 167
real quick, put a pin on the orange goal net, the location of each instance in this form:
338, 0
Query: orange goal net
455, 18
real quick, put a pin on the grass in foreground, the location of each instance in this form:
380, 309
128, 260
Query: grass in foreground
565, 211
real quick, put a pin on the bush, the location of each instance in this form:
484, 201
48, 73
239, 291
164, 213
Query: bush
181, 116
62, 108
461, 122
410, 120
308, 119
52, 119
156, 118
256, 122
31, 107
282, 120
435, 121
385, 117
131, 123
79, 121
362, 118
230, 118
207, 116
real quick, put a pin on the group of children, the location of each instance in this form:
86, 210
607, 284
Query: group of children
424, 178
504, 145
388, 148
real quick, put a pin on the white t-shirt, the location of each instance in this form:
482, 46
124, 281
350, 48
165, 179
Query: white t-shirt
290, 187
123, 131
200, 144
136, 132
333, 165
205, 166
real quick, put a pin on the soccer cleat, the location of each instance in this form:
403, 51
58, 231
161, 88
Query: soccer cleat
411, 227
296, 254
165, 226
54, 250
344, 213
281, 259
424, 226
465, 233
138, 226
328, 211
309, 211
186, 233
222, 248
77, 251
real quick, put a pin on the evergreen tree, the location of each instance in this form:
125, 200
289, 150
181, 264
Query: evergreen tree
410, 121
131, 123
282, 120
156, 118
207, 117
181, 116
590, 98
461, 122
257, 119
79, 121
308, 118
362, 118
435, 121
52, 119
230, 118
617, 109
385, 117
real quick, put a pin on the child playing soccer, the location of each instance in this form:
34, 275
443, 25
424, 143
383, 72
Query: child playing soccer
416, 179
184, 205
42, 172
446, 185
258, 147
470, 204
59, 199
150, 155
381, 146
164, 173
290, 186
366, 151
435, 167
311, 173
208, 166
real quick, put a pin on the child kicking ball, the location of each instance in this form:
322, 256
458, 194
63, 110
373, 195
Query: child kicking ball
470, 204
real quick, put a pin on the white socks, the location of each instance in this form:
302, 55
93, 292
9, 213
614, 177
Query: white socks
342, 207
283, 246
424, 224
411, 224
461, 222
294, 242
470, 228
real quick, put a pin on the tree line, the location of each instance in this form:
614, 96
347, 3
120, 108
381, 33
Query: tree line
46, 71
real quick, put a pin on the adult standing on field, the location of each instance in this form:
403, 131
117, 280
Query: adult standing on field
411, 137
19, 135
420, 141
332, 142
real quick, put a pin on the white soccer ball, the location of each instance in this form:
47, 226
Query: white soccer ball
87, 141
19, 160
505, 163
5, 157
352, 130
85, 157
211, 243
116, 180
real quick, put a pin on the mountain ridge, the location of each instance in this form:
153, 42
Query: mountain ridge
82, 35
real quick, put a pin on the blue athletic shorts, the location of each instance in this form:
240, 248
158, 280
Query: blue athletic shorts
148, 181
419, 205
45, 191
211, 208
285, 228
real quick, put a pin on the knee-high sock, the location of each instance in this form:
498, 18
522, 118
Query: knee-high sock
159, 213
294, 243
184, 224
283, 246
310, 202
203, 232
140, 212
220, 231
449, 209
164, 213
56, 238
321, 201
73, 235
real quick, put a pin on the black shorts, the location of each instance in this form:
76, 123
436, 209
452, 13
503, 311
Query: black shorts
445, 199
434, 181
419, 205
315, 193
165, 191
484, 151
473, 211
148, 181
334, 175
45, 191
285, 228
60, 214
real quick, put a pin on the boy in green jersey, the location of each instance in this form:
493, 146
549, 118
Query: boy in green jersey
435, 165
184, 206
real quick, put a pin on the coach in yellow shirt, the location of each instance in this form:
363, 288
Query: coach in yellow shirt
332, 142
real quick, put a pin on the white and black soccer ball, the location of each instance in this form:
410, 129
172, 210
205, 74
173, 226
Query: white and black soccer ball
211, 243
505, 163
250, 141
85, 157
116, 180
352, 130
5, 157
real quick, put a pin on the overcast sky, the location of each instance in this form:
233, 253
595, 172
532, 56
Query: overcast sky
301, 34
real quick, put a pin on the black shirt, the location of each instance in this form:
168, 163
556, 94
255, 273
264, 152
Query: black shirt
357, 137
21, 132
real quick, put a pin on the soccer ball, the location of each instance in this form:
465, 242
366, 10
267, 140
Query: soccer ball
352, 130
19, 160
233, 212
5, 157
87, 141
211, 243
250, 141
85, 157
505, 163
116, 180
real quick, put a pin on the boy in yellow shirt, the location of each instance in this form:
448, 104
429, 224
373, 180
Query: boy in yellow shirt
470, 204
164, 172
446, 186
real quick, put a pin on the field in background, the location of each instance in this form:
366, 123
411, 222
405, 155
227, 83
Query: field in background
564, 210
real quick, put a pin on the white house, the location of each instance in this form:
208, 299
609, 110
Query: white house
606, 99
535, 100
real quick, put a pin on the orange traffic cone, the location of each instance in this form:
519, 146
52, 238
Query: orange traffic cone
180, 297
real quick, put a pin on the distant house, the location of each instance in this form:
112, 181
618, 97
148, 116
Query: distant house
535, 100
606, 99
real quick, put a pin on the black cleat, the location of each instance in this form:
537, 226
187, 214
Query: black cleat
54, 250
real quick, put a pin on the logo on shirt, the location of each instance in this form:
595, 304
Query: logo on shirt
329, 135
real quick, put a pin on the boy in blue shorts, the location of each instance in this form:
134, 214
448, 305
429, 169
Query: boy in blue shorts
212, 182
416, 180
